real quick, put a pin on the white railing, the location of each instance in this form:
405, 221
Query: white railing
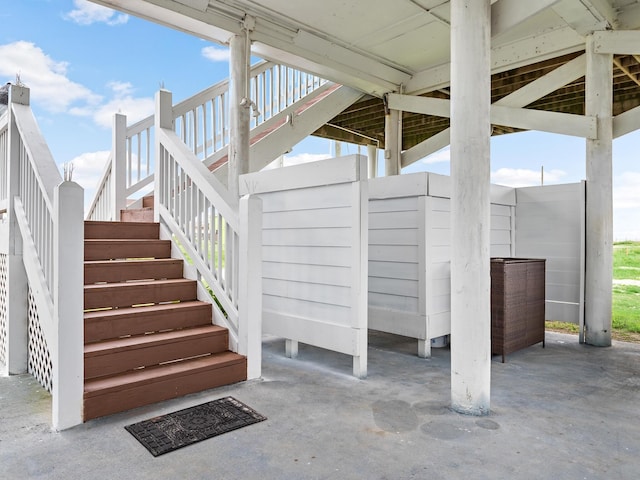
44, 277
202, 123
204, 220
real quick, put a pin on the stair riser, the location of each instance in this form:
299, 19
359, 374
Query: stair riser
106, 250
139, 230
113, 363
119, 295
121, 272
101, 328
164, 389
137, 215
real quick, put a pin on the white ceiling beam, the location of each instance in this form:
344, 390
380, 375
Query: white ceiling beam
522, 118
626, 122
552, 81
506, 14
617, 42
424, 105
504, 57
552, 122
522, 97
426, 148
604, 10
180, 16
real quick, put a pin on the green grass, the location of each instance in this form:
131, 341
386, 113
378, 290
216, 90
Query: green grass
626, 308
626, 298
626, 260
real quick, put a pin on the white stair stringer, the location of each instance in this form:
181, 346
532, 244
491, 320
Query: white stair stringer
279, 134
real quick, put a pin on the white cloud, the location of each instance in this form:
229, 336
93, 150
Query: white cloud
87, 172
124, 102
626, 191
442, 155
522, 177
86, 13
88, 168
626, 206
47, 79
216, 54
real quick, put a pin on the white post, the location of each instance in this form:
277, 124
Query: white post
250, 285
337, 148
118, 166
599, 231
239, 105
470, 206
17, 285
163, 119
68, 299
392, 142
372, 156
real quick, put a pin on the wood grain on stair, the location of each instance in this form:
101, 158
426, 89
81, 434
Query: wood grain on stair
98, 249
127, 294
122, 270
119, 230
122, 354
119, 322
107, 395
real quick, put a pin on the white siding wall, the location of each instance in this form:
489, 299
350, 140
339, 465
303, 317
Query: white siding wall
550, 224
314, 254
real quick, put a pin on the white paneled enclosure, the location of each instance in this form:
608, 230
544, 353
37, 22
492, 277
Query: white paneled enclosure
409, 253
343, 254
314, 242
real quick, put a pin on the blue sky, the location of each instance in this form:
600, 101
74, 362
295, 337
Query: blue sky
83, 63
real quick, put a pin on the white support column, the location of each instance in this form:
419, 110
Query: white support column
239, 105
118, 166
337, 148
68, 300
17, 285
392, 142
599, 231
250, 294
372, 157
470, 206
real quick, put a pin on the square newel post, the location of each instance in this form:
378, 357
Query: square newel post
470, 206
118, 166
68, 300
250, 285
599, 210
372, 161
163, 119
17, 287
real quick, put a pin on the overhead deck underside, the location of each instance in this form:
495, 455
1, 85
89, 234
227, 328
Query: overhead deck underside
363, 122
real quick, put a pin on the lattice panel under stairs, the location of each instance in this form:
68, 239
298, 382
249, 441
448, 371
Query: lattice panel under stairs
40, 365
3, 308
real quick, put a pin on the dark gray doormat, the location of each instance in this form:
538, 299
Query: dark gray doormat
175, 430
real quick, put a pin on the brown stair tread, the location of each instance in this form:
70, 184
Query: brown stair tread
119, 270
100, 386
132, 230
121, 344
137, 283
126, 311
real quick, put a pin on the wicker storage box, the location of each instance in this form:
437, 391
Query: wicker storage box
517, 304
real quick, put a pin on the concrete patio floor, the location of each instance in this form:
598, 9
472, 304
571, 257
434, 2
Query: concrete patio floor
568, 411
